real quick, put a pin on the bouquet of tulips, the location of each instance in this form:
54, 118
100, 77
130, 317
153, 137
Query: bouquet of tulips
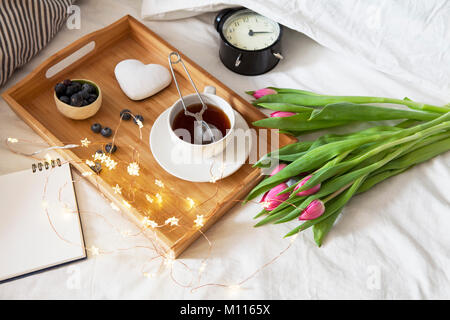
315, 179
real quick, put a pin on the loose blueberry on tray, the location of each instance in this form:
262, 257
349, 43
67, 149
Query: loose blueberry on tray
110, 148
125, 114
97, 168
106, 132
99, 151
96, 127
138, 117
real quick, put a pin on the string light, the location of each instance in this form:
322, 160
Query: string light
149, 199
149, 223
199, 222
133, 169
94, 250
117, 189
114, 207
173, 221
191, 203
85, 142
86, 174
159, 198
159, 183
139, 123
126, 204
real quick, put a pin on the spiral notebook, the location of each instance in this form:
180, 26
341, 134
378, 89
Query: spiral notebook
40, 226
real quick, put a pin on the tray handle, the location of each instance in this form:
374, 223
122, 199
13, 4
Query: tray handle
101, 39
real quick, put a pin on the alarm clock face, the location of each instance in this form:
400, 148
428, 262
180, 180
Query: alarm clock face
250, 31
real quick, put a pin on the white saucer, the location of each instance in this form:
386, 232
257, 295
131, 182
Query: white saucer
197, 169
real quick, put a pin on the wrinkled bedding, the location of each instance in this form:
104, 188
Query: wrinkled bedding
390, 243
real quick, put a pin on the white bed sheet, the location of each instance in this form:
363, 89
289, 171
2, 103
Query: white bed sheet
391, 242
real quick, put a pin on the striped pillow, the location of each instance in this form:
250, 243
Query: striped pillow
26, 26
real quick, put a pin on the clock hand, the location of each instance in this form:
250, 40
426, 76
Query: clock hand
251, 32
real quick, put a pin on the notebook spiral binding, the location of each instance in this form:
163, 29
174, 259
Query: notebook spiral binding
41, 165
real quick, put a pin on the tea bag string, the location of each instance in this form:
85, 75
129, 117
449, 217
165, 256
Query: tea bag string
197, 115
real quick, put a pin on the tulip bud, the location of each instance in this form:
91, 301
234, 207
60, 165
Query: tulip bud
308, 191
314, 210
282, 114
271, 199
278, 168
263, 92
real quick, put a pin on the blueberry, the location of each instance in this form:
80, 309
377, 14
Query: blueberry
77, 85
97, 168
96, 127
60, 89
84, 94
125, 114
110, 148
67, 82
85, 103
72, 89
76, 100
106, 132
92, 98
138, 117
89, 88
99, 151
65, 99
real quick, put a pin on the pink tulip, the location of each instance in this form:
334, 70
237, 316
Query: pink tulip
271, 199
278, 168
282, 114
314, 210
263, 92
307, 192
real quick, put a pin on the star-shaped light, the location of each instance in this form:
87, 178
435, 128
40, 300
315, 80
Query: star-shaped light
191, 202
117, 189
126, 204
95, 251
114, 207
139, 123
90, 163
159, 183
133, 169
173, 221
149, 223
13, 140
110, 163
200, 221
149, 199
85, 174
159, 198
85, 142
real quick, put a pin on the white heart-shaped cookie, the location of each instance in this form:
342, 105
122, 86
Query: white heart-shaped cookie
139, 81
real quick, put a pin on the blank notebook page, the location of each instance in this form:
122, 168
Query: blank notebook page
31, 238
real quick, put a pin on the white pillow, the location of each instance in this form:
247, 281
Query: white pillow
408, 39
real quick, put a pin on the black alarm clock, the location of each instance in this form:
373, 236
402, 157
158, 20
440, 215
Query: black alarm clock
251, 43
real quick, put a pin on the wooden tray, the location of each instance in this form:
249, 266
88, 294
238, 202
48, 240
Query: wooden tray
127, 38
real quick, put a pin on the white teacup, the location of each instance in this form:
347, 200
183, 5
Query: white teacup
204, 150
